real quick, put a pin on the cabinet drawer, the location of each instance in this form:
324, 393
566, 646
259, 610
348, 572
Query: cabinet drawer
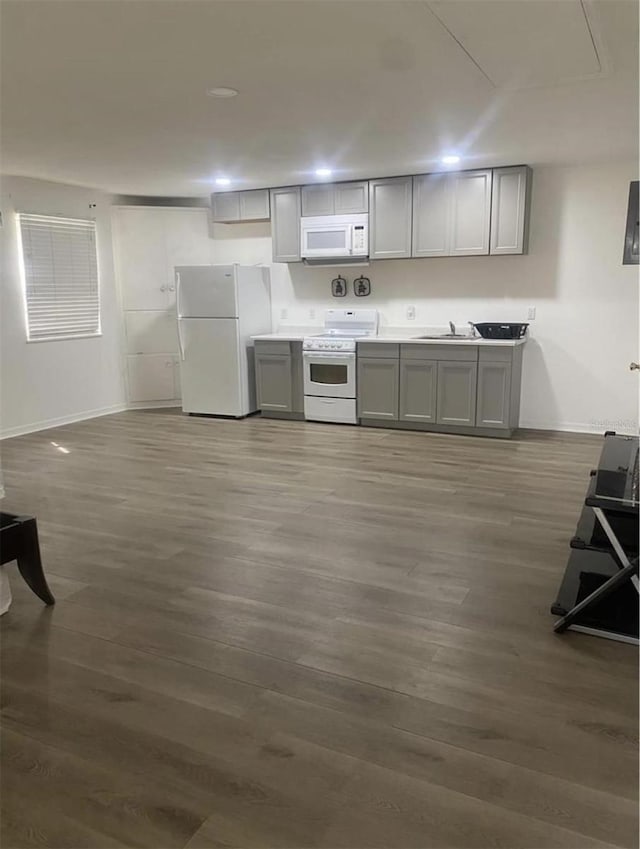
464, 353
378, 349
266, 346
495, 353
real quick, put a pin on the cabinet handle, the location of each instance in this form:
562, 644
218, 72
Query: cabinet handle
172, 288
634, 366
163, 288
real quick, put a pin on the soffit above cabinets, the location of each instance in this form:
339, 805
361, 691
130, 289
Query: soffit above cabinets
525, 45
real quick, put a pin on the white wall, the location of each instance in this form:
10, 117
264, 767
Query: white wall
576, 364
49, 383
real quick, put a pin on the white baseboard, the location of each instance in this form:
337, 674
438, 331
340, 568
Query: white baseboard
63, 420
153, 405
624, 428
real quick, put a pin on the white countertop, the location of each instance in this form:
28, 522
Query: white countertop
391, 335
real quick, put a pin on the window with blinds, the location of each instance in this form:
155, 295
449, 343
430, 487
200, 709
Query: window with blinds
60, 276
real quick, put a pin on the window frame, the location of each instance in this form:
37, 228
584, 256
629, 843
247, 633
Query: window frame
56, 337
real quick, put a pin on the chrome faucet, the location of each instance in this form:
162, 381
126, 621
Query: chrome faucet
472, 332
452, 328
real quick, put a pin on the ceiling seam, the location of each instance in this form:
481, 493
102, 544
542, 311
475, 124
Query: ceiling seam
461, 45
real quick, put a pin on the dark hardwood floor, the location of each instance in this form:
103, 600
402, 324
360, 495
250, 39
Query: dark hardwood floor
275, 634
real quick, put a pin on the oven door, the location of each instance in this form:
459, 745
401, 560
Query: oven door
329, 375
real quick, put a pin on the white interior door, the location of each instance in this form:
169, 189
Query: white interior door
187, 242
142, 259
151, 332
151, 377
210, 371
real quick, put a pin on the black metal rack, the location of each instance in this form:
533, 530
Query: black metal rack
599, 592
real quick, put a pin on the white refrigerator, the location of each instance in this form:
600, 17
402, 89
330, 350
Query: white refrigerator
219, 308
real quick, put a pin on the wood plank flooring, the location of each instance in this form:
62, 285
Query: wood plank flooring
279, 634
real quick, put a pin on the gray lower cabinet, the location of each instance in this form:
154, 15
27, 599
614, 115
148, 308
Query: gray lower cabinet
390, 203
274, 383
285, 224
456, 395
418, 390
378, 388
279, 377
494, 395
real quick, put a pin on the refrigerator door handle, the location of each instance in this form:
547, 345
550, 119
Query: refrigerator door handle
178, 294
180, 341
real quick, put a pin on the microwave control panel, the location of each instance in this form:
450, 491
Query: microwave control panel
359, 243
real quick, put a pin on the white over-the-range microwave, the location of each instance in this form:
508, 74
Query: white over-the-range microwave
334, 236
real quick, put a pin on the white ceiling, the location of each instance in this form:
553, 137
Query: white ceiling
112, 93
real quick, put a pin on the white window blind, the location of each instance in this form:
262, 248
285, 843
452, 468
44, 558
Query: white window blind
60, 276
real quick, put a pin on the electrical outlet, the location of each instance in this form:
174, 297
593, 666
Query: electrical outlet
284, 313
312, 313
531, 313
411, 313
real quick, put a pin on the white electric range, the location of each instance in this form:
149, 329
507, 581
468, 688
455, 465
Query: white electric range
330, 365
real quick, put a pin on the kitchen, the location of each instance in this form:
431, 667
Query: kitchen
314, 319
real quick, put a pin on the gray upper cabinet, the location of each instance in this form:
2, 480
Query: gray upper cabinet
229, 207
351, 198
378, 388
470, 213
418, 395
318, 200
274, 382
456, 395
510, 204
226, 206
335, 198
285, 224
390, 203
431, 215
254, 205
494, 394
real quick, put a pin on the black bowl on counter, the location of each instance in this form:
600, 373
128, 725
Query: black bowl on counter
504, 330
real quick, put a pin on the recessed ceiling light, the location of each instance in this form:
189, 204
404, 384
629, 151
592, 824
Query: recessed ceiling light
223, 181
323, 172
450, 160
222, 91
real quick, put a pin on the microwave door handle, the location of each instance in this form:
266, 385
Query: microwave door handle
352, 236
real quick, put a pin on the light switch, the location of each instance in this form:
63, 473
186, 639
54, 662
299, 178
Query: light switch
411, 313
531, 313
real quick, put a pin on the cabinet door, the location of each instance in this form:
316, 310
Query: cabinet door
470, 212
390, 218
456, 394
494, 395
151, 377
142, 258
351, 198
151, 332
187, 243
377, 389
285, 224
226, 206
510, 210
431, 215
254, 205
418, 383
273, 382
318, 200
